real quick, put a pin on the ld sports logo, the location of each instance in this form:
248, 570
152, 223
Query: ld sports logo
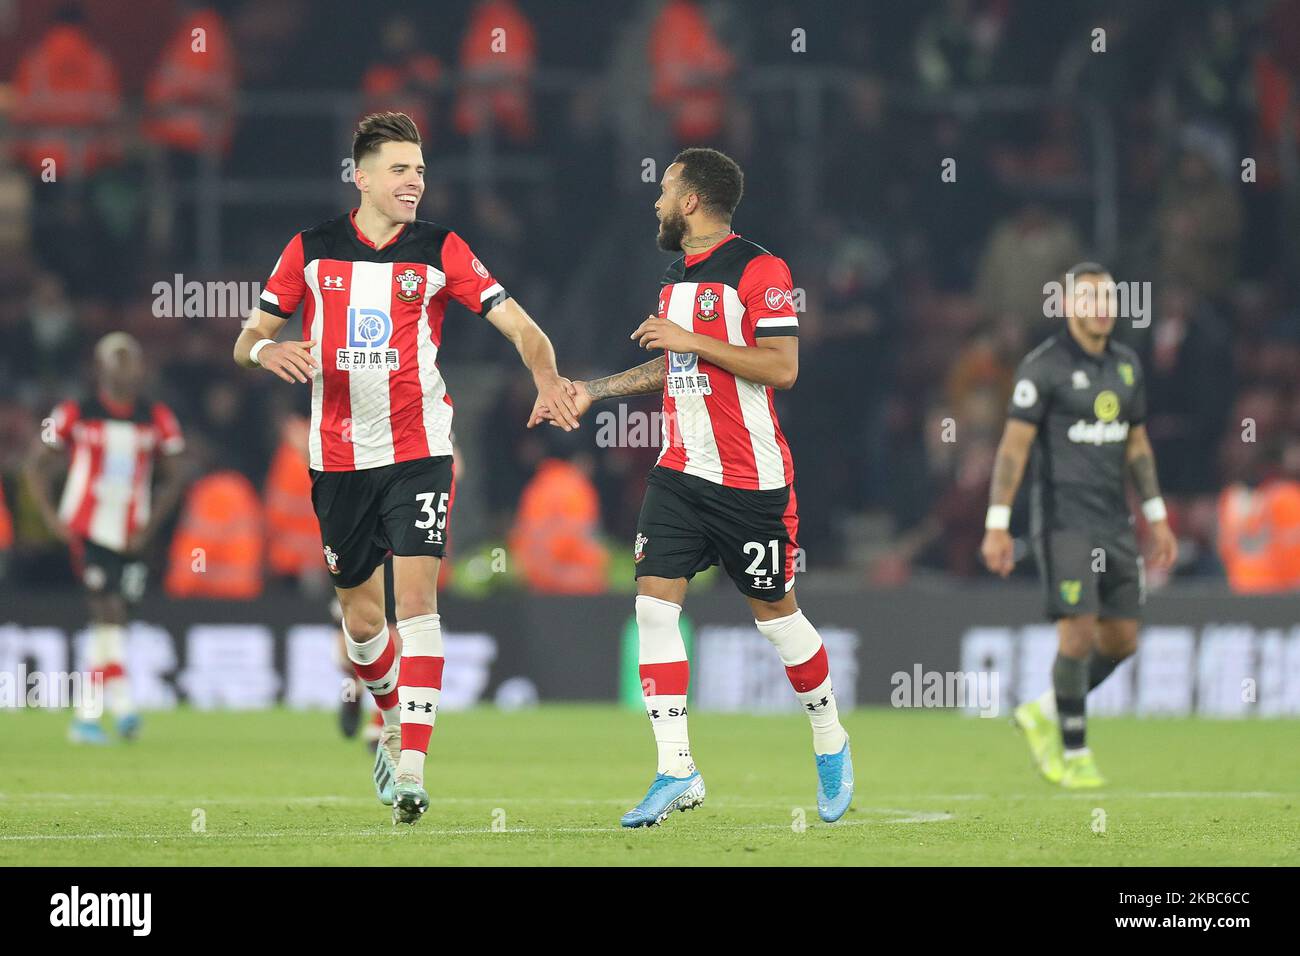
684, 376
369, 331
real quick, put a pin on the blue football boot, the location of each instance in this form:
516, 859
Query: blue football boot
87, 732
834, 784
665, 795
128, 726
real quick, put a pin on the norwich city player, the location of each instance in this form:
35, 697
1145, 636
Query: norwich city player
1079, 406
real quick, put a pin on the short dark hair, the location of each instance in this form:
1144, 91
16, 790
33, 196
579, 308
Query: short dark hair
715, 176
1086, 269
379, 128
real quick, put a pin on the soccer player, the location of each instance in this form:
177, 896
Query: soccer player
722, 490
374, 284
1079, 405
106, 513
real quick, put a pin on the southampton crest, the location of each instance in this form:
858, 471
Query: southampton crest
409, 283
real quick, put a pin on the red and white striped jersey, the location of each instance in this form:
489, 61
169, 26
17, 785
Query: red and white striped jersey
716, 425
107, 494
376, 317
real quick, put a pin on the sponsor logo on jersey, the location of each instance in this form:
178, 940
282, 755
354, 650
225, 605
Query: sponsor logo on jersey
1126, 373
682, 362
331, 559
332, 283
408, 283
1080, 379
1106, 406
706, 301
368, 333
776, 298
1097, 433
684, 377
368, 328
1071, 591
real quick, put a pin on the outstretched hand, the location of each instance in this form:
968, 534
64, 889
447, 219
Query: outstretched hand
543, 412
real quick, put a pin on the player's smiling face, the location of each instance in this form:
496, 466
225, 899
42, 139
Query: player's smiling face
393, 179
672, 221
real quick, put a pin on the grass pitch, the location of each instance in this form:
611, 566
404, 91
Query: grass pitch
547, 786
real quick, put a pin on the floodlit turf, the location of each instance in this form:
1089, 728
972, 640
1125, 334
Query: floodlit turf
547, 787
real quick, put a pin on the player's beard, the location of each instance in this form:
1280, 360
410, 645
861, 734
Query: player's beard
672, 230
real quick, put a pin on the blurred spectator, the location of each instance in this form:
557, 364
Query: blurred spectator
690, 67
404, 78
1211, 80
555, 535
293, 548
1189, 390
190, 97
217, 549
957, 45
1033, 247
1259, 529
225, 415
68, 102
498, 56
1199, 223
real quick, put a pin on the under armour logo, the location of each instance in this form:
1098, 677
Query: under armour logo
413, 706
332, 282
814, 704
763, 582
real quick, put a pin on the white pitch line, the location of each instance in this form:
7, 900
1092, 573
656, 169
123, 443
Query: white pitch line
895, 816
1045, 794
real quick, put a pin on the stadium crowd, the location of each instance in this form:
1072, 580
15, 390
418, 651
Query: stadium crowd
921, 291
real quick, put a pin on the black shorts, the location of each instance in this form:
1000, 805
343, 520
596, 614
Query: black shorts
105, 571
688, 524
363, 515
1091, 573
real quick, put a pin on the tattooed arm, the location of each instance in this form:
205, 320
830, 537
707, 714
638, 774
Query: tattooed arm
998, 550
1142, 469
1009, 467
1142, 463
645, 379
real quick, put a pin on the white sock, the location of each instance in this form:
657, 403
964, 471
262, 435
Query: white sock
663, 666
804, 657
107, 650
366, 652
419, 688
